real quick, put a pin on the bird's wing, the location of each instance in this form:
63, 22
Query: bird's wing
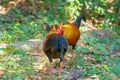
52, 41
63, 42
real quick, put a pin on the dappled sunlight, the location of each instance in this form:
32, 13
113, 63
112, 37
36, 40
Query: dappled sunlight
4, 10
41, 63
24, 24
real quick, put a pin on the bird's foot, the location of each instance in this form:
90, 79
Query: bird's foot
50, 71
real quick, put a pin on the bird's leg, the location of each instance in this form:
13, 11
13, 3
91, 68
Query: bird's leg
61, 65
72, 54
50, 67
52, 51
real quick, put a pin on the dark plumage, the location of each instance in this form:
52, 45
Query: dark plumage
78, 20
55, 45
72, 32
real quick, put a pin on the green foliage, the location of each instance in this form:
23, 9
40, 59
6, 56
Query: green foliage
14, 76
115, 67
5, 37
52, 13
17, 65
16, 26
78, 62
103, 54
92, 69
3, 1
20, 31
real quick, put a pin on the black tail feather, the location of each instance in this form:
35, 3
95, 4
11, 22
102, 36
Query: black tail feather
78, 20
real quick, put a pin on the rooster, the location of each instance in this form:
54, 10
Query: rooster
55, 45
72, 32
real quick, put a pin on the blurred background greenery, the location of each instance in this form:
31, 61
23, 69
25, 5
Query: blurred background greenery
22, 20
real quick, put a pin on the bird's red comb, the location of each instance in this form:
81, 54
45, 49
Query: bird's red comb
60, 29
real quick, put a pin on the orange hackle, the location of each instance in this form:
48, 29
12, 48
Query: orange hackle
54, 27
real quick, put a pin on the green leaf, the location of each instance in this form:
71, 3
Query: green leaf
93, 66
78, 48
105, 67
106, 39
100, 45
96, 52
85, 49
105, 52
112, 47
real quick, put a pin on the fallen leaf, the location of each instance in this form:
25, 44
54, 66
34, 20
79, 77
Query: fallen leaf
115, 77
33, 53
68, 56
39, 78
18, 59
1, 72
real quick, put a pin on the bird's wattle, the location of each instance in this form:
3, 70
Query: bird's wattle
60, 31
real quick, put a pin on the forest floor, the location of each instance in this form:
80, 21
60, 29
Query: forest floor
40, 63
